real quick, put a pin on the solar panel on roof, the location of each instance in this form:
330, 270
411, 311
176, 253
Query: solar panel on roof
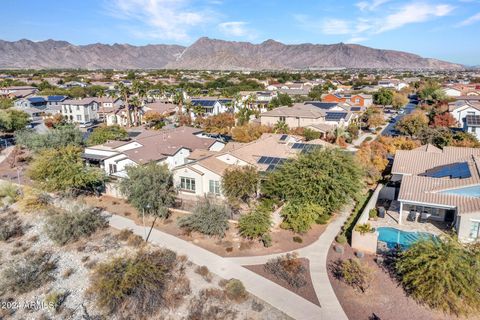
335, 116
283, 137
322, 105
458, 170
203, 103
298, 145
355, 108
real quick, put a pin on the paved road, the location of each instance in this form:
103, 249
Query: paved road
389, 130
279, 297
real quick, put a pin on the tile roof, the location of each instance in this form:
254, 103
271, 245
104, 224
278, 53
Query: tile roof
80, 102
417, 187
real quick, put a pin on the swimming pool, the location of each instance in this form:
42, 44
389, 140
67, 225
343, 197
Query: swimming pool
405, 239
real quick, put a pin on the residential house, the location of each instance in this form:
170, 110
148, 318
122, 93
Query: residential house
392, 83
81, 111
41, 102
202, 175
108, 110
319, 116
460, 109
211, 106
361, 100
18, 91
169, 146
458, 90
440, 186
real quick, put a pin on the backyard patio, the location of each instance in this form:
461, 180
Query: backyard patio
392, 217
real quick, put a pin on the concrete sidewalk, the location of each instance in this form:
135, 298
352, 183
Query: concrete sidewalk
316, 253
279, 297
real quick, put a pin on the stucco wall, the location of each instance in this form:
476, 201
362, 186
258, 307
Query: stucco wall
465, 224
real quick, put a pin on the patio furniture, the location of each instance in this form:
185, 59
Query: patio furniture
412, 216
425, 216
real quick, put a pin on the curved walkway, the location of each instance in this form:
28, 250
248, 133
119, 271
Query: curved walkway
316, 253
279, 297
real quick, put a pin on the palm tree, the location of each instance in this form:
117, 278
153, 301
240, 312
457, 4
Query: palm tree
140, 89
280, 127
135, 103
125, 92
101, 94
178, 100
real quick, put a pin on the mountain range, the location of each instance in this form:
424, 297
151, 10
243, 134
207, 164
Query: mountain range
208, 54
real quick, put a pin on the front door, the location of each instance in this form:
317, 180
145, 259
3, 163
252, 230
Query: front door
450, 216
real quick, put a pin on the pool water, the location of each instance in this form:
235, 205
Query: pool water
393, 237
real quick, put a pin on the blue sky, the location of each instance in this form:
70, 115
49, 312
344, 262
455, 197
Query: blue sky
443, 29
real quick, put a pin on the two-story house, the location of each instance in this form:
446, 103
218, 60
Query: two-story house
81, 111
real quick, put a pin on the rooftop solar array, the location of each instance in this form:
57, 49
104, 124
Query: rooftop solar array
304, 147
459, 170
356, 108
56, 98
204, 103
335, 116
473, 120
270, 160
284, 137
36, 100
323, 105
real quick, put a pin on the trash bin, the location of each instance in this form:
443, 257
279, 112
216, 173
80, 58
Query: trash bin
381, 212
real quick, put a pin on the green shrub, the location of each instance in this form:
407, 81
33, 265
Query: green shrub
368, 139
297, 239
55, 299
364, 228
235, 290
288, 268
208, 217
341, 239
133, 285
29, 273
353, 273
9, 193
323, 219
267, 240
442, 274
72, 225
299, 217
254, 225
373, 213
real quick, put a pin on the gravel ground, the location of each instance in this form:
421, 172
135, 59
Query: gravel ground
79, 258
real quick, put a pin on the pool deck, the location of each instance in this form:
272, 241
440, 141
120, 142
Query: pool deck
391, 220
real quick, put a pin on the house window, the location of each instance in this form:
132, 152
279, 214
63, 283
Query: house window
78, 108
79, 117
112, 168
214, 187
282, 119
474, 229
474, 129
187, 184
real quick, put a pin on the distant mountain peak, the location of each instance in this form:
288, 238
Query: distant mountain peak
208, 53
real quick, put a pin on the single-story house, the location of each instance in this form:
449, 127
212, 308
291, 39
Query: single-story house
203, 173
442, 185
302, 115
